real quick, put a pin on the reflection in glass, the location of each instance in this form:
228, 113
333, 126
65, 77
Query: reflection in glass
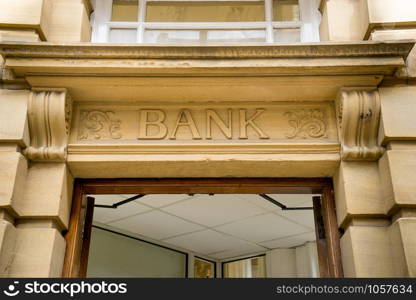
254, 267
123, 35
204, 36
216, 11
286, 10
125, 11
286, 35
203, 268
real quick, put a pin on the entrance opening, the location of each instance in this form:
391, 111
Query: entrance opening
230, 228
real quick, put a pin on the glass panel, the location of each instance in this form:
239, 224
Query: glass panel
205, 11
286, 35
235, 36
123, 35
203, 268
286, 10
246, 268
204, 36
114, 255
125, 11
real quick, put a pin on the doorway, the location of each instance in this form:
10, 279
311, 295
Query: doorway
282, 202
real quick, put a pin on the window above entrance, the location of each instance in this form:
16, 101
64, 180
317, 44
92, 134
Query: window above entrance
205, 22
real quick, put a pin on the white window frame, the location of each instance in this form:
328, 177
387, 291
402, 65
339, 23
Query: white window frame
309, 21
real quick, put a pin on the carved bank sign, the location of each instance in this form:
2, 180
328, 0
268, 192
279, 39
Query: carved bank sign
205, 121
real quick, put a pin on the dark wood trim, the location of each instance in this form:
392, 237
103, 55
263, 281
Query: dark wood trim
332, 234
321, 244
73, 236
76, 257
86, 237
205, 185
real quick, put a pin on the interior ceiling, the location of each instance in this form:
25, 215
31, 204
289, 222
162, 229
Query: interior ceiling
219, 226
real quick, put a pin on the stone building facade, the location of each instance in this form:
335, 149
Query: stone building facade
342, 107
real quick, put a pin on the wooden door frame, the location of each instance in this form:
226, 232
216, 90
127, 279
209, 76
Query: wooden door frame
328, 245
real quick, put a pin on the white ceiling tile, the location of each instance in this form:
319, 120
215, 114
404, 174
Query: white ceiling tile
107, 199
206, 241
303, 217
262, 228
290, 241
156, 224
243, 249
159, 200
214, 210
106, 215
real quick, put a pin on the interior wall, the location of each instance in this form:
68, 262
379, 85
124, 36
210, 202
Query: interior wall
294, 262
114, 255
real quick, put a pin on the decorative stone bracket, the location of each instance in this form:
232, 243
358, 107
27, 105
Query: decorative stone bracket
49, 114
358, 114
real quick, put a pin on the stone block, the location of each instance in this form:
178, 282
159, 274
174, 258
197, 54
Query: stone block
366, 252
26, 14
7, 244
69, 22
398, 108
344, 20
357, 191
13, 117
354, 20
397, 173
39, 252
12, 179
403, 243
48, 193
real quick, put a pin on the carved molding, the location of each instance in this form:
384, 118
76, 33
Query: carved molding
307, 123
337, 50
96, 124
49, 114
358, 114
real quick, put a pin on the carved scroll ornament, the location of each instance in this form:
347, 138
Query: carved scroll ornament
98, 124
49, 114
306, 123
358, 113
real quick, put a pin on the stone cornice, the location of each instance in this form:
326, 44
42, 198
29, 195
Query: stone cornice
111, 51
101, 72
253, 148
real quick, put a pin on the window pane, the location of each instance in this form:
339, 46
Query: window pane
204, 36
246, 268
123, 35
235, 36
286, 10
203, 268
125, 11
286, 35
205, 11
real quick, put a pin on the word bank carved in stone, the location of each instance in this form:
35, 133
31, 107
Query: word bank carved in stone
174, 122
